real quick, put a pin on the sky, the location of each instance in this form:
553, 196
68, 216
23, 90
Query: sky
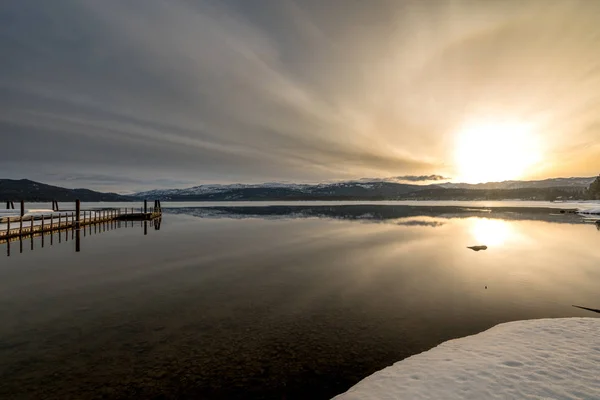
128, 95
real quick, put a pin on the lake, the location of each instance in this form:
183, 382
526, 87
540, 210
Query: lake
290, 301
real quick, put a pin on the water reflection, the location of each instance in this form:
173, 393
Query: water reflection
278, 303
490, 232
75, 235
434, 216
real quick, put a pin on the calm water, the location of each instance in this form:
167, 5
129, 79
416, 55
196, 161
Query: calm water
276, 302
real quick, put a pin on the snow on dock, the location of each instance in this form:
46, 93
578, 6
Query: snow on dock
534, 359
15, 224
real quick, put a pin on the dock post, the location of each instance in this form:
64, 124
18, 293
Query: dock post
51, 222
31, 228
145, 206
20, 226
78, 240
22, 208
42, 225
77, 212
8, 227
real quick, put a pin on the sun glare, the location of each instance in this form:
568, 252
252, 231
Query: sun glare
495, 152
490, 232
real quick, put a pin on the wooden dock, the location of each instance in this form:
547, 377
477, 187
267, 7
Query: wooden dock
12, 227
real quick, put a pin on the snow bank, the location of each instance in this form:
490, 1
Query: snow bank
540, 359
589, 211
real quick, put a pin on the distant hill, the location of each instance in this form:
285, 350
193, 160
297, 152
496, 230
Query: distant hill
281, 191
549, 189
375, 189
541, 184
594, 190
24, 189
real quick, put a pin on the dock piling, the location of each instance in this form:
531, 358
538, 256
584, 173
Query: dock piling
77, 212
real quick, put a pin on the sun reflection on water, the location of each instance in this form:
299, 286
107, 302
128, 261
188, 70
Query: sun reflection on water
490, 232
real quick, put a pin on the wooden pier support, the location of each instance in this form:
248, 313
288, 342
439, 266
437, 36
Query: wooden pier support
77, 213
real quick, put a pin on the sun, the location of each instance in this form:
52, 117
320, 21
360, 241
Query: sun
495, 152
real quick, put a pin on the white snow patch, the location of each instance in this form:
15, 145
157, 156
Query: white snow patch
534, 359
589, 211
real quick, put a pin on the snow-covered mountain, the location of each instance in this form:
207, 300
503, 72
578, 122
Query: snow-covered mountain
267, 191
217, 188
374, 189
576, 182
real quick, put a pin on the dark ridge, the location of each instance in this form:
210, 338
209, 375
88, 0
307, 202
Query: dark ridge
28, 190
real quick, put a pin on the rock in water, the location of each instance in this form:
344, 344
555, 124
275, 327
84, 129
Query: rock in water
477, 248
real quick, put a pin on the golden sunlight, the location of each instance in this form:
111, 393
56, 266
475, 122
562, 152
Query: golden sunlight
490, 232
495, 152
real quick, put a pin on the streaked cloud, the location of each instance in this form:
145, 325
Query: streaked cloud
140, 94
421, 178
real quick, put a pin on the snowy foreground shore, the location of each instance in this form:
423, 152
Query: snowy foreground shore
534, 359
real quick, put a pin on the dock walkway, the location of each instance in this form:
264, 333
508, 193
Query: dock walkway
42, 222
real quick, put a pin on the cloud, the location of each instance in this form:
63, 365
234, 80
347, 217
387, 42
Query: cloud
195, 91
421, 178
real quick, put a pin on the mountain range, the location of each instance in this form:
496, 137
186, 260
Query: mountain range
363, 189
378, 189
25, 189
